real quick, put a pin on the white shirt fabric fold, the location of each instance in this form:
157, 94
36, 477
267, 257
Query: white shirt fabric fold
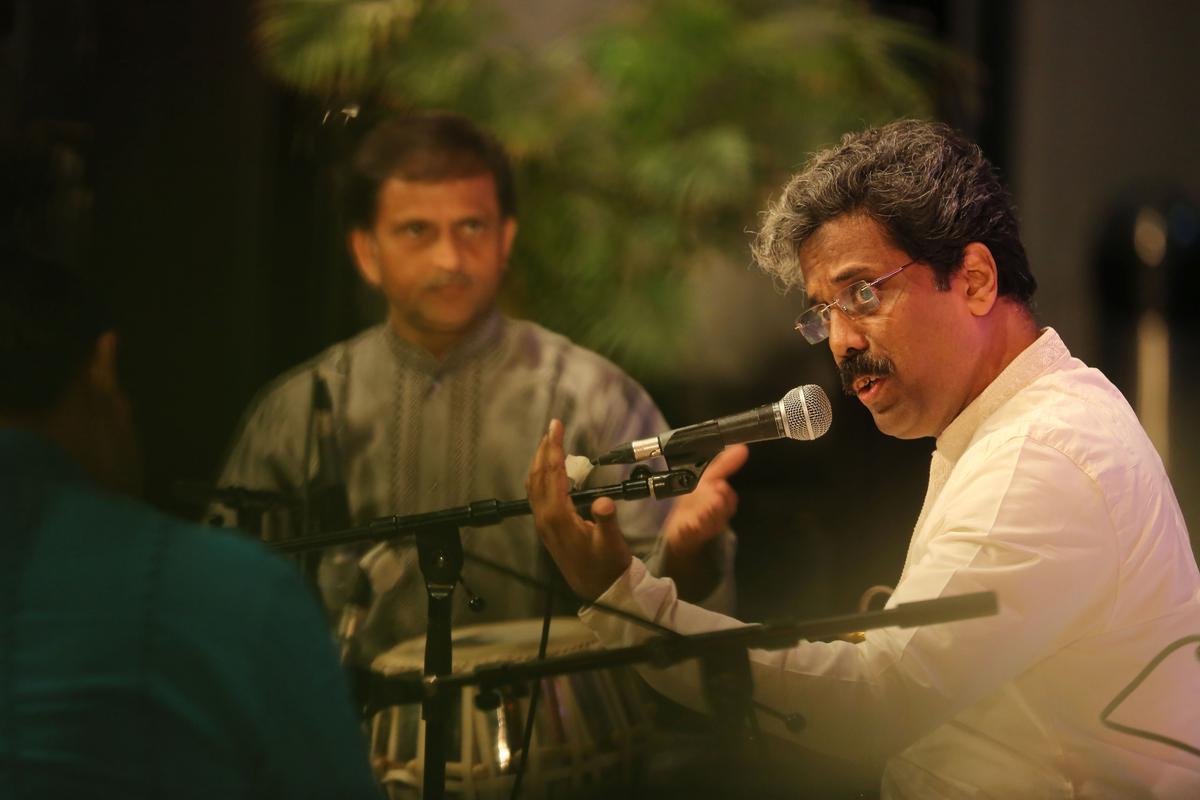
1047, 491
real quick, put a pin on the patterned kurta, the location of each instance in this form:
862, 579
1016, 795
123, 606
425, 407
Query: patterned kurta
417, 434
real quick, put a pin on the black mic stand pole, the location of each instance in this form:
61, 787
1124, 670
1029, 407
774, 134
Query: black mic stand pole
729, 690
440, 554
664, 651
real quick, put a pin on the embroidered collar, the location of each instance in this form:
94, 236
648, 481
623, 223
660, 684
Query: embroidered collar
1031, 363
483, 337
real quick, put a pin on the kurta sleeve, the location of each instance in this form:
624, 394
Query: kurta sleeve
1025, 522
268, 453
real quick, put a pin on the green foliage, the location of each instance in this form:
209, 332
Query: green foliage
642, 144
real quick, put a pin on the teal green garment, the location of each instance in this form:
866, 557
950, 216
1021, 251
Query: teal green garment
145, 657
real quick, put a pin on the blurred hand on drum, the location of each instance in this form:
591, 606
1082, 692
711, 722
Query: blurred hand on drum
590, 555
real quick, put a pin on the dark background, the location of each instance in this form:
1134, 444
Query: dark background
197, 190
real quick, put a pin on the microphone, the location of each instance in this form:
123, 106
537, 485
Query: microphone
327, 492
802, 414
339, 577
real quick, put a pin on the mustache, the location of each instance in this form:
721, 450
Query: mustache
863, 364
444, 279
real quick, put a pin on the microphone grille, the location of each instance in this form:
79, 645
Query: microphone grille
806, 413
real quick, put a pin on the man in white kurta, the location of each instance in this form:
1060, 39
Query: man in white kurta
1043, 488
1046, 491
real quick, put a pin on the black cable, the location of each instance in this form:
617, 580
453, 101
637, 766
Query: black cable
521, 577
534, 694
793, 722
1134, 684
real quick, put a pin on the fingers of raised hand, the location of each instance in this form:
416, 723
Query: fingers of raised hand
548, 455
706, 512
548, 472
547, 485
726, 462
604, 511
727, 499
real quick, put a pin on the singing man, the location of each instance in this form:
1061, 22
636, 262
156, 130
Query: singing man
1043, 487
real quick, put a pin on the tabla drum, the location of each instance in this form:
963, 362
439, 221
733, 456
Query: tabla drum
587, 730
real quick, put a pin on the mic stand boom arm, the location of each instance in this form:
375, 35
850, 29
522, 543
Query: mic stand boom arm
482, 513
663, 651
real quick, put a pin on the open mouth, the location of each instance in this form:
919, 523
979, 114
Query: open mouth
864, 385
863, 374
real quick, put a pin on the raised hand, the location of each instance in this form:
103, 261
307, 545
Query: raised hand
696, 520
590, 555
702, 514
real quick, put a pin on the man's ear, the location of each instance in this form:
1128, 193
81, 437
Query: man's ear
366, 256
508, 233
981, 280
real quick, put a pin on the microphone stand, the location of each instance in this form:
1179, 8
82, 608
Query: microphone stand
440, 556
482, 513
664, 650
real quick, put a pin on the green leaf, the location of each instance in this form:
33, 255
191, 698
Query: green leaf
640, 143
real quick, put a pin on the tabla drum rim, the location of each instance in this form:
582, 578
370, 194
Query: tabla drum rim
573, 757
508, 642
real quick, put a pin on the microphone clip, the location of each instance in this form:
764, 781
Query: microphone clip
680, 448
692, 447
673, 482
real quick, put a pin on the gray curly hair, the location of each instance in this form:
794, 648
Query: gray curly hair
930, 188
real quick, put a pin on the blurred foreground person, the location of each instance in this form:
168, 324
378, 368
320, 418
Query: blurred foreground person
1043, 488
442, 403
140, 657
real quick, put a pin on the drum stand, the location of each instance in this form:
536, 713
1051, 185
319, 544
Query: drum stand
729, 690
440, 554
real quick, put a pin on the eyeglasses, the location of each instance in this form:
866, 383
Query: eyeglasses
856, 300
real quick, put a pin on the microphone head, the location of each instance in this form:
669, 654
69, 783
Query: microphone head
806, 413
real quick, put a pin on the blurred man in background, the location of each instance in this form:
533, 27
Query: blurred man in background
442, 403
1043, 488
139, 656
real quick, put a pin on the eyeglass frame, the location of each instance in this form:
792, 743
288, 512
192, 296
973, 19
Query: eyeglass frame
838, 302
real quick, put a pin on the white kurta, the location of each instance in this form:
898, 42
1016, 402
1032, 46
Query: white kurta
1047, 491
